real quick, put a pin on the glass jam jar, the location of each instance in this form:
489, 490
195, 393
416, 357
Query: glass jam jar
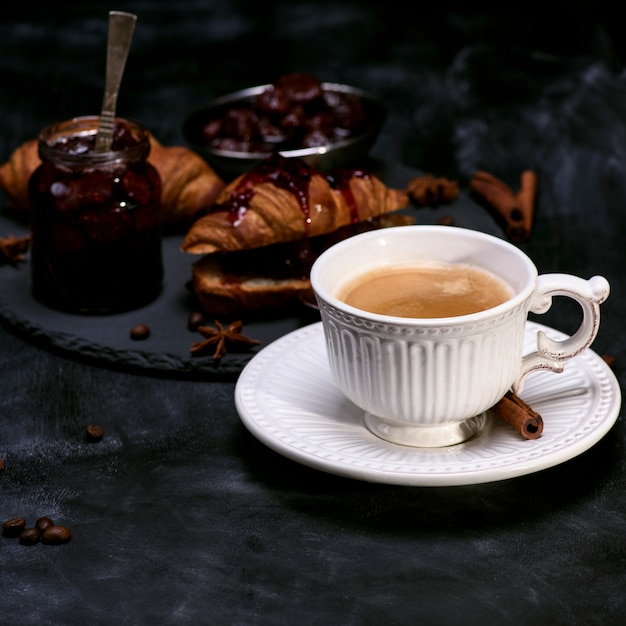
95, 224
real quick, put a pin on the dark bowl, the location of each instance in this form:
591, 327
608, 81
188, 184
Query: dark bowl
337, 154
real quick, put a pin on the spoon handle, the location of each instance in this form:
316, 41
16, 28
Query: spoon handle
121, 29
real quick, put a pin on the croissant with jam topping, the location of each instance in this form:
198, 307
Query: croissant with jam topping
282, 200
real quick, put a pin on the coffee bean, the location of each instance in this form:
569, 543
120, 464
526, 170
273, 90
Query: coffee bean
194, 320
43, 522
94, 433
55, 535
139, 332
30, 536
13, 527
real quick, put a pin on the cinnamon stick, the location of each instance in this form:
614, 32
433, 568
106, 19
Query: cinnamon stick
518, 414
516, 211
609, 359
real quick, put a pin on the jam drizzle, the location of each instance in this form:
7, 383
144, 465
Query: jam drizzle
340, 181
294, 176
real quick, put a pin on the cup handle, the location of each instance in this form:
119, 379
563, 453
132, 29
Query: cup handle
550, 354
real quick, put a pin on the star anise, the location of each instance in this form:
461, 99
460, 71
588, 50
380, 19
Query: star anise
13, 249
221, 339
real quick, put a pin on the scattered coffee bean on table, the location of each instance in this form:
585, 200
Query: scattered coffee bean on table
139, 332
43, 522
30, 536
194, 320
94, 433
13, 527
45, 530
55, 535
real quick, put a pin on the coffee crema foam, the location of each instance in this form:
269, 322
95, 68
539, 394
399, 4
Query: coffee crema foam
427, 290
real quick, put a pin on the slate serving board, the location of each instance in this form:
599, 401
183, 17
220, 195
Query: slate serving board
105, 339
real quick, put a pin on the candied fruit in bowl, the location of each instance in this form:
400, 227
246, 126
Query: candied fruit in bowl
327, 124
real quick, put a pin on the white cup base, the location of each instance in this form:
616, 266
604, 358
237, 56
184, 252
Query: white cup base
425, 436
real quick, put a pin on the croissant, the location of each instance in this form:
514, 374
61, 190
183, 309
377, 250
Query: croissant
253, 211
14, 175
189, 183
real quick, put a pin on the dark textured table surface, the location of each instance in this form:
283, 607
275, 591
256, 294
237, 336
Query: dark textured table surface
180, 515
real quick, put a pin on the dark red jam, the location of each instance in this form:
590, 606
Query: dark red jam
293, 175
96, 235
340, 181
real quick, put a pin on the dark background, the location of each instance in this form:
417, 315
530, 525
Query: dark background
180, 516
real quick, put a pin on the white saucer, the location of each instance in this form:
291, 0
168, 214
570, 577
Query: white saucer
287, 399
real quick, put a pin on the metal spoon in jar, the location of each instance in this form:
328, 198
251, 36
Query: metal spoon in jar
121, 29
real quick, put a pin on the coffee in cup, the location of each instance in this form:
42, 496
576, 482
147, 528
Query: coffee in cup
425, 290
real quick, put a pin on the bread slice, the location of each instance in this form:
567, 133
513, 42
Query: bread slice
243, 282
224, 295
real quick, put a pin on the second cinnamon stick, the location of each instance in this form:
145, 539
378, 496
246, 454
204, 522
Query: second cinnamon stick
515, 211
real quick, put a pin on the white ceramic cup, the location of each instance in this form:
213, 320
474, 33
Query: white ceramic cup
428, 382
